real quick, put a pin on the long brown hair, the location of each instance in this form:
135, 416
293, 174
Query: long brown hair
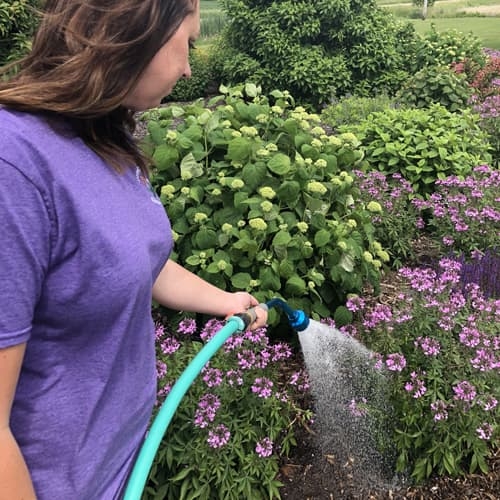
86, 56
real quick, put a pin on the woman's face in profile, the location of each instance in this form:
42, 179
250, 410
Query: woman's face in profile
168, 65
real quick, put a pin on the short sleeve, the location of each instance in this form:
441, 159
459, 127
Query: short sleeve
24, 253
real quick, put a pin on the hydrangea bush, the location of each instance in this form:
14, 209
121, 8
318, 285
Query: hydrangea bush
235, 421
262, 199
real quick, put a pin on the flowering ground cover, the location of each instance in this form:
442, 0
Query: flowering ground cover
309, 474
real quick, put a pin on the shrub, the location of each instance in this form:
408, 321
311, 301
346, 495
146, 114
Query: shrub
445, 48
17, 24
483, 269
441, 346
261, 199
398, 225
464, 211
316, 50
486, 81
201, 78
423, 145
435, 84
235, 421
352, 110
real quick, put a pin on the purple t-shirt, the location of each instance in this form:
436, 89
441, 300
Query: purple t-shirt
80, 248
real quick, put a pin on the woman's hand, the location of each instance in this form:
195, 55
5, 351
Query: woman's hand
242, 301
180, 289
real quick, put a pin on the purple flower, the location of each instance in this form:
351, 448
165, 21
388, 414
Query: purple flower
187, 326
234, 377
464, 391
439, 409
416, 386
430, 346
207, 408
358, 409
489, 403
218, 437
161, 369
485, 431
300, 379
262, 386
264, 448
159, 331
395, 362
280, 351
212, 376
169, 345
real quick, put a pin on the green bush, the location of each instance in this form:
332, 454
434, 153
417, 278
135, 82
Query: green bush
435, 84
189, 89
17, 24
316, 50
445, 48
423, 144
261, 199
352, 110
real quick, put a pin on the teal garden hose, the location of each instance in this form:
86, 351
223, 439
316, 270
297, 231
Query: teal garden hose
237, 323
144, 461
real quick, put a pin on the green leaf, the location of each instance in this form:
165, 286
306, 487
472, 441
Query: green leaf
241, 281
165, 156
190, 168
288, 192
295, 286
251, 90
347, 263
280, 164
269, 280
322, 238
182, 474
239, 149
286, 269
205, 238
282, 238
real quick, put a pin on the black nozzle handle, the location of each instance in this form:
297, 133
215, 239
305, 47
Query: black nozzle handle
250, 315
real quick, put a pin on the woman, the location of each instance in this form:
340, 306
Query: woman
85, 246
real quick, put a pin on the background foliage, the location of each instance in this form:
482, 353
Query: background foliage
17, 24
317, 50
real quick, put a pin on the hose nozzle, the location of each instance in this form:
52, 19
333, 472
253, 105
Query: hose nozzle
297, 318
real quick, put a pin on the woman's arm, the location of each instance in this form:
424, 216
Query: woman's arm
179, 289
15, 481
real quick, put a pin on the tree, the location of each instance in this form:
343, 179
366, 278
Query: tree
317, 50
424, 4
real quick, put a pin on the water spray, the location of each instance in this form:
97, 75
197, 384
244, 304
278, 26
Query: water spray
236, 323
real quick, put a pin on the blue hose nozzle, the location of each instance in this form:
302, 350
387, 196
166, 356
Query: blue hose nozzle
298, 319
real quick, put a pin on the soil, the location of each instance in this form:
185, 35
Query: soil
309, 475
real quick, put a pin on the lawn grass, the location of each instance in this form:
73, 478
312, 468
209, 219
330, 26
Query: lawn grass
486, 29
445, 15
453, 14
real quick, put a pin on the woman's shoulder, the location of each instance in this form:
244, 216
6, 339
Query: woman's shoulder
36, 143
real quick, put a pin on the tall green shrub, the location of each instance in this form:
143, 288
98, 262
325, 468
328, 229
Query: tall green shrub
317, 50
17, 24
261, 199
